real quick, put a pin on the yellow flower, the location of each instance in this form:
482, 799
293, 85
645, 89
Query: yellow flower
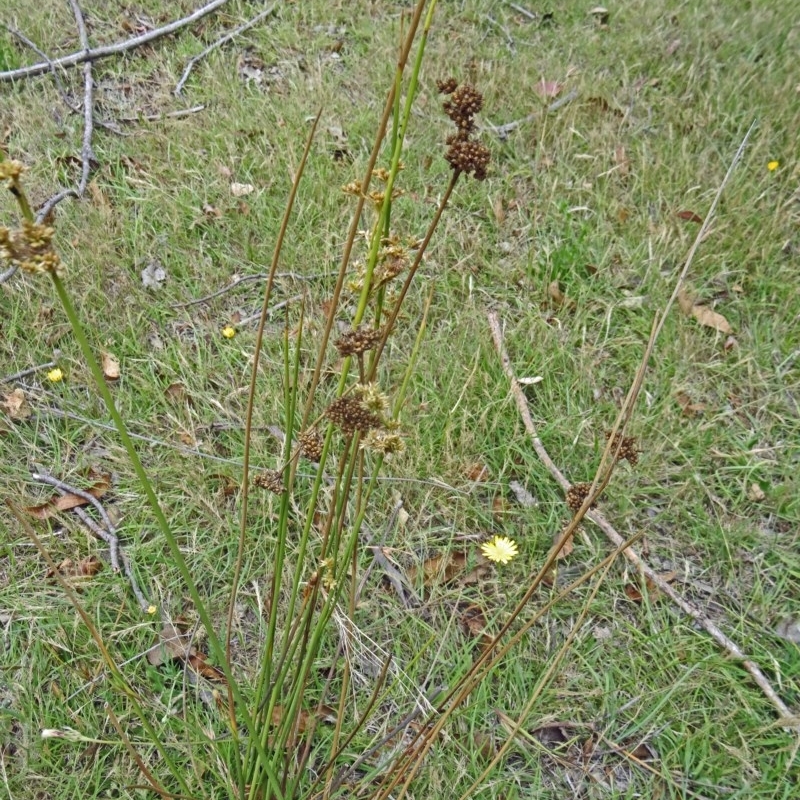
773, 165
501, 549
229, 332
151, 610
55, 375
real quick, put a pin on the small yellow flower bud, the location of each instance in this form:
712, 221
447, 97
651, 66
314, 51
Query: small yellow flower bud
229, 332
55, 375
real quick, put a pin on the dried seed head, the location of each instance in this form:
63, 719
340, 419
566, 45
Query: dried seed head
577, 493
311, 444
469, 157
447, 86
383, 442
358, 341
628, 451
372, 397
354, 188
30, 248
10, 172
351, 415
271, 480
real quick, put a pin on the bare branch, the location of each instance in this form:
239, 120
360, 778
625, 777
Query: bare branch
223, 40
73, 59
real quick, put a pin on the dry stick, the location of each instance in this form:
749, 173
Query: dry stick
237, 282
87, 155
181, 112
23, 373
57, 79
608, 529
74, 59
223, 40
107, 534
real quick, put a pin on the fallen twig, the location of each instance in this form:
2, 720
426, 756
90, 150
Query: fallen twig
87, 154
73, 59
108, 533
214, 45
237, 282
181, 112
788, 719
503, 130
611, 533
23, 373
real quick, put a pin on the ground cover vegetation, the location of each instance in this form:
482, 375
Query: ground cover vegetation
352, 571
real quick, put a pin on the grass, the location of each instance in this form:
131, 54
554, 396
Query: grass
588, 196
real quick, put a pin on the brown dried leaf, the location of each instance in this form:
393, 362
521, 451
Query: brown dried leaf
173, 643
447, 567
175, 392
568, 547
689, 216
86, 568
548, 89
242, 189
711, 319
99, 197
473, 621
689, 408
64, 502
16, 405
110, 366
477, 472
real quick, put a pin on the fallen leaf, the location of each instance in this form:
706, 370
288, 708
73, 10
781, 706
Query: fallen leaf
689, 408
324, 713
730, 344
153, 275
64, 502
703, 314
110, 366
99, 197
673, 46
568, 546
175, 392
711, 319
689, 216
548, 89
499, 506
635, 594
499, 210
172, 643
16, 405
555, 294
86, 568
242, 189
211, 212
477, 472
622, 161
755, 494
447, 567
473, 621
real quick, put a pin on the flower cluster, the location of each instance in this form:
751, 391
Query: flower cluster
576, 494
463, 153
628, 451
358, 341
30, 248
310, 442
270, 480
364, 410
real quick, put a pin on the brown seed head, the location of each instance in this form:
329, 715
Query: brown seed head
576, 494
447, 86
351, 415
271, 480
628, 451
358, 341
311, 444
469, 157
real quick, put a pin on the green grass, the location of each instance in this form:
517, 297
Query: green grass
556, 206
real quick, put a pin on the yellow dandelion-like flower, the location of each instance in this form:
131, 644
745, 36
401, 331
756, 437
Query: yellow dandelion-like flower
229, 332
151, 610
773, 165
55, 375
501, 549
